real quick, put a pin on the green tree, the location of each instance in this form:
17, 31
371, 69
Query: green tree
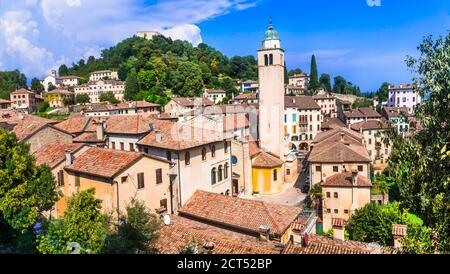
37, 86
383, 92
42, 107
189, 81
293, 72
420, 165
340, 85
63, 70
26, 190
10, 81
82, 99
315, 194
108, 97
131, 85
136, 233
373, 223
362, 103
314, 77
325, 82
82, 224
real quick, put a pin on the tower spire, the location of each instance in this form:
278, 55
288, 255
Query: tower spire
270, 23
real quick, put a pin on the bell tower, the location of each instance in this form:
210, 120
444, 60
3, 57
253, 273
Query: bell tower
271, 93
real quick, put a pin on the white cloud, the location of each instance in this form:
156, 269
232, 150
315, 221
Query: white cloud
186, 32
36, 35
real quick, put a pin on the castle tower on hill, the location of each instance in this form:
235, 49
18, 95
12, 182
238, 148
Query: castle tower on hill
271, 61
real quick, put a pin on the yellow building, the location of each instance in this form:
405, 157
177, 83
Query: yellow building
57, 97
267, 173
342, 195
119, 176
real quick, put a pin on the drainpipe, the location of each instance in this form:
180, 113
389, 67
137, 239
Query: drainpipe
118, 201
179, 179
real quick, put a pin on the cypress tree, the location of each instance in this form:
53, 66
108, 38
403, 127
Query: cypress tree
314, 77
131, 85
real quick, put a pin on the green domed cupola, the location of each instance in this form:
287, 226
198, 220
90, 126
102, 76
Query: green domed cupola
271, 33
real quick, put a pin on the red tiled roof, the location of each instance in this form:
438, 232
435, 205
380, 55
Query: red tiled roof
23, 91
345, 180
88, 137
74, 124
54, 154
215, 91
392, 112
266, 160
191, 101
243, 214
318, 244
24, 125
3, 101
246, 96
253, 148
332, 123
371, 124
181, 232
362, 113
181, 137
338, 222
129, 124
105, 162
301, 102
339, 152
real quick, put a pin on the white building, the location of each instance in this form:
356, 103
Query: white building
302, 120
103, 75
404, 96
328, 104
299, 80
147, 34
215, 95
271, 60
249, 86
95, 89
63, 81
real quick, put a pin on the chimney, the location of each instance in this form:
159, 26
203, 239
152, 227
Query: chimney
338, 229
264, 232
69, 157
158, 136
209, 247
342, 136
399, 232
100, 130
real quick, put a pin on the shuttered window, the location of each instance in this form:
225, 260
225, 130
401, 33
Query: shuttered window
141, 183
159, 179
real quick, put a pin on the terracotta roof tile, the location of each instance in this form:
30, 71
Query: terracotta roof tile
129, 124
240, 213
345, 180
301, 102
175, 237
317, 244
371, 124
192, 101
246, 96
339, 152
181, 137
23, 125
104, 162
54, 154
74, 124
23, 91
332, 123
266, 160
88, 137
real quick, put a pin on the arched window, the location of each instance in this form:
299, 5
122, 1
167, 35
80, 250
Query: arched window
271, 59
225, 172
187, 158
213, 151
266, 60
220, 174
213, 176
204, 154
275, 175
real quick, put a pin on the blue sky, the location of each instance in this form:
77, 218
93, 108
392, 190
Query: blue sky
367, 45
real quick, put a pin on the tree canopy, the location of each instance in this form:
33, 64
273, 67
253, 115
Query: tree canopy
420, 165
10, 81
